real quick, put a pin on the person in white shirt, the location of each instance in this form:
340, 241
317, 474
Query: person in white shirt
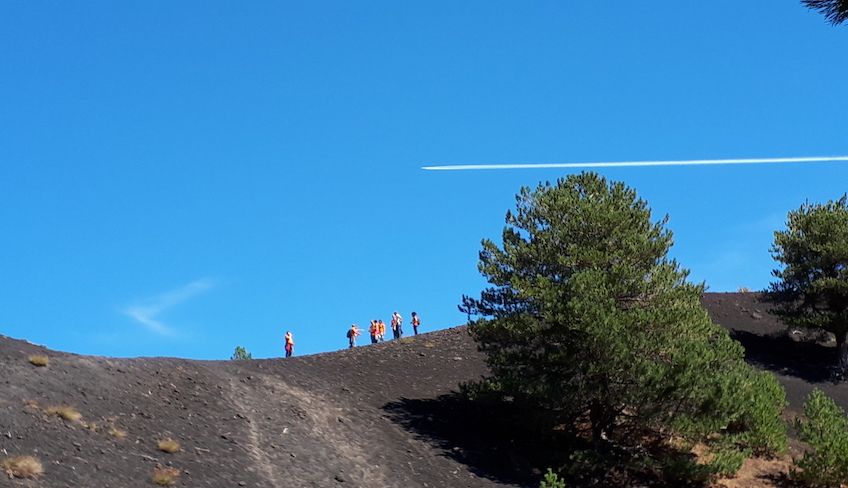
397, 325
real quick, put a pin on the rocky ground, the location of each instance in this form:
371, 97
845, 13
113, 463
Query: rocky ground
377, 416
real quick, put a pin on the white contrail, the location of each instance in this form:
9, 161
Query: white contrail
629, 164
147, 314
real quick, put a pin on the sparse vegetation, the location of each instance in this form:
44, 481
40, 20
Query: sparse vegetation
241, 354
39, 360
22, 467
117, 433
165, 476
589, 321
825, 429
168, 445
65, 412
812, 286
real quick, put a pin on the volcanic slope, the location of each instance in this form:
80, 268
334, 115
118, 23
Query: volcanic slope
376, 416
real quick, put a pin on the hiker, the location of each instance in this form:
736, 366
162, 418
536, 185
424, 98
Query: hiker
381, 326
416, 321
289, 344
375, 331
397, 325
352, 334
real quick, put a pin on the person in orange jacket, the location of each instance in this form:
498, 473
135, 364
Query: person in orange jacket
416, 321
289, 344
382, 329
375, 331
352, 334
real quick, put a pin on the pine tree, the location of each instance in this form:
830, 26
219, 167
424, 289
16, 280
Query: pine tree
589, 318
835, 11
812, 290
240, 354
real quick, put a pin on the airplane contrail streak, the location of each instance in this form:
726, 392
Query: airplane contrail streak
630, 164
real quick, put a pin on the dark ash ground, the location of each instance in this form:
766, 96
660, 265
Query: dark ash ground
376, 416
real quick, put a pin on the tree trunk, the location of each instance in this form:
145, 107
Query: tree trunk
600, 419
842, 350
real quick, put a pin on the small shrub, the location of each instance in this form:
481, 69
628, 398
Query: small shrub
761, 429
117, 433
39, 360
551, 480
744, 289
825, 429
165, 476
22, 467
65, 412
241, 354
168, 445
727, 461
486, 389
682, 470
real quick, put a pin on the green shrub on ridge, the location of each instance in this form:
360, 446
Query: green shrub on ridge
825, 429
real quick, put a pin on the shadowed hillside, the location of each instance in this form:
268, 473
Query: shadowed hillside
375, 416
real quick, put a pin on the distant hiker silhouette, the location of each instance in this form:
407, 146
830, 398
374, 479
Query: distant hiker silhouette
289, 344
397, 325
416, 321
381, 326
352, 334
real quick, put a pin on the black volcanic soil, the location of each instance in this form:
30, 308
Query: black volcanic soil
376, 416
800, 360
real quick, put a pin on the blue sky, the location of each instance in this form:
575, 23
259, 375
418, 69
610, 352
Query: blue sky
178, 178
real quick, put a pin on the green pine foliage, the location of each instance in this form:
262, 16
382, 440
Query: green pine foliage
551, 480
589, 318
825, 430
812, 290
241, 354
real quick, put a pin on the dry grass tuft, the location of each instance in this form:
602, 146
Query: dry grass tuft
165, 476
22, 467
68, 413
117, 433
39, 360
168, 445
429, 345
